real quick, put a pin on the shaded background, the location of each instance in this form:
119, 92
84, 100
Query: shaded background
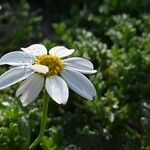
115, 36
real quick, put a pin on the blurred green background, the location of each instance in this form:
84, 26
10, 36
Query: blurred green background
115, 36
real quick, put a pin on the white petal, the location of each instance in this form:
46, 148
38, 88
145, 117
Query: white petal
35, 50
79, 63
84, 71
14, 75
57, 89
16, 58
61, 51
30, 89
23, 85
40, 68
79, 83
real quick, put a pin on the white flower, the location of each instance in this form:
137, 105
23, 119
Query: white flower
36, 68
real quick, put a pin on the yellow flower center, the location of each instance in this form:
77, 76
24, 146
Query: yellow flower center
54, 64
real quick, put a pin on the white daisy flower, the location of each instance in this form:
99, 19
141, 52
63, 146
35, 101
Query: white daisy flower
37, 68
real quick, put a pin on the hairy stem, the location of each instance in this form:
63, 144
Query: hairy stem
43, 122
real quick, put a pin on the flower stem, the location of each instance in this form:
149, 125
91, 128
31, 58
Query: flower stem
43, 122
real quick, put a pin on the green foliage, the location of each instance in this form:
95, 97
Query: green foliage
115, 36
14, 130
17, 25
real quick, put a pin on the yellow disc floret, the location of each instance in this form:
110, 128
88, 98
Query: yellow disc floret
54, 63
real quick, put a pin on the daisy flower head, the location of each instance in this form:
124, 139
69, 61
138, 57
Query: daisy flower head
39, 67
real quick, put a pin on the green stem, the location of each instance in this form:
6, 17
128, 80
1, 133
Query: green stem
43, 122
